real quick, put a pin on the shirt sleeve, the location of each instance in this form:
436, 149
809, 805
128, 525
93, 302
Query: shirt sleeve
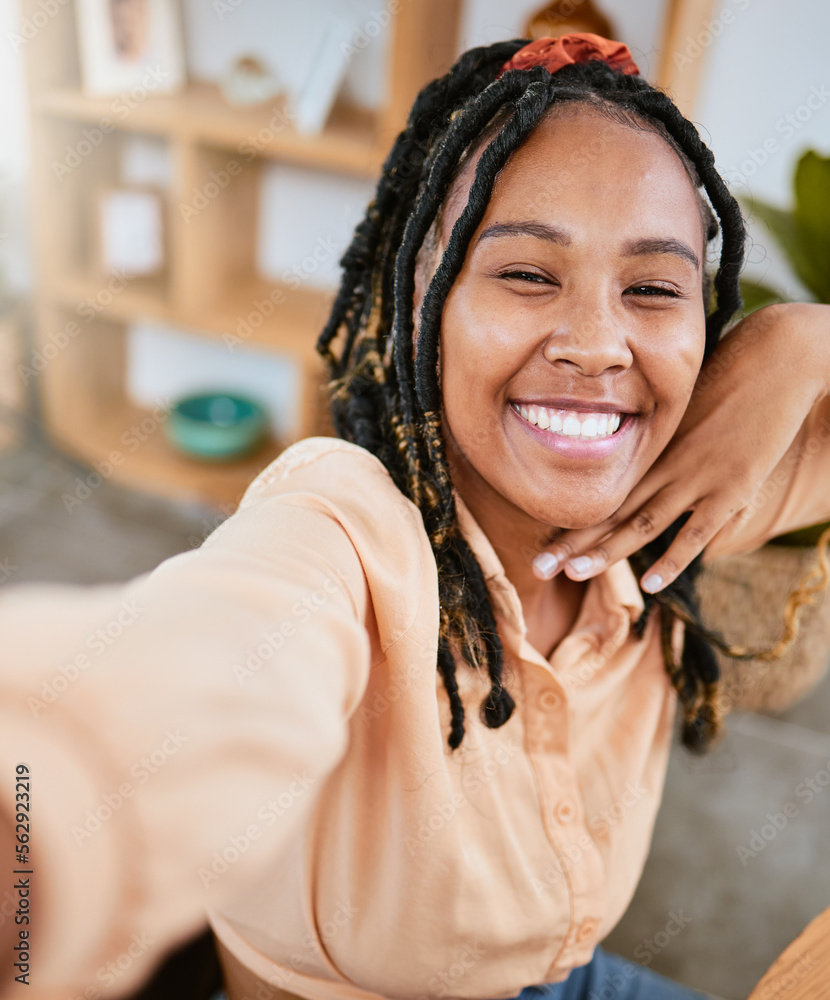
795, 495
177, 730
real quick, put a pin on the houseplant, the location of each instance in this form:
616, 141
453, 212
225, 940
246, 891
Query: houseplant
743, 596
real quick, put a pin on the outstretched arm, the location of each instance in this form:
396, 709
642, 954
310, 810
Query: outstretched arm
739, 440
158, 717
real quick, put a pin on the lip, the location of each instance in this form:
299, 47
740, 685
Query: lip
579, 447
585, 405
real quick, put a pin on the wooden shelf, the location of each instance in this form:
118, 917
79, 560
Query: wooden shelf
200, 114
298, 316
97, 433
210, 286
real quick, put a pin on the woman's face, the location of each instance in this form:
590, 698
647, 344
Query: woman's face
572, 338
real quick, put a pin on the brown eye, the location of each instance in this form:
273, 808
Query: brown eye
525, 276
650, 290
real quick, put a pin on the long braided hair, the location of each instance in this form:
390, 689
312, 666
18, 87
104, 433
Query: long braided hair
386, 396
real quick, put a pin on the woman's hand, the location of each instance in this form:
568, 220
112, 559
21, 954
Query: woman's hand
749, 402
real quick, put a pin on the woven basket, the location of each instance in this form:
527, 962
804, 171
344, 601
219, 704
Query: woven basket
743, 598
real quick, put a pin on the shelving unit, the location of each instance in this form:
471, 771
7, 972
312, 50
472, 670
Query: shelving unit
211, 282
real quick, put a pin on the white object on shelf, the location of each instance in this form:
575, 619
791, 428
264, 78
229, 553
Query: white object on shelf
131, 231
306, 221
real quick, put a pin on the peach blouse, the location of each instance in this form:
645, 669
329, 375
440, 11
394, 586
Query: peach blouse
256, 729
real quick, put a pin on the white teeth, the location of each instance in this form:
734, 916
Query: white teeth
569, 423
589, 427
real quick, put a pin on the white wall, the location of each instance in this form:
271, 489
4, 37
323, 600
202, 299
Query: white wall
768, 61
15, 265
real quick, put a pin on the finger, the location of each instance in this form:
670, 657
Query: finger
690, 541
573, 543
586, 552
646, 524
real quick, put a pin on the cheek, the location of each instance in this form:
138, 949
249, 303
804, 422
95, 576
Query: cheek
476, 362
672, 365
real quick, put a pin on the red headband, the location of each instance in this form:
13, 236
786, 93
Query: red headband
577, 47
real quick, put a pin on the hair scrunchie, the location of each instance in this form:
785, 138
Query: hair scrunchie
577, 47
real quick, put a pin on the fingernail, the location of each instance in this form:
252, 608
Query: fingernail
545, 564
652, 582
581, 564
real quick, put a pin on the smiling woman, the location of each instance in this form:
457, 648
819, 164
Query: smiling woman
527, 374
556, 262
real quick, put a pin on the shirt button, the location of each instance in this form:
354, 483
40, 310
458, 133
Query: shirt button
549, 700
587, 929
564, 811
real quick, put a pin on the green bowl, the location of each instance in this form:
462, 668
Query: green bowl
216, 426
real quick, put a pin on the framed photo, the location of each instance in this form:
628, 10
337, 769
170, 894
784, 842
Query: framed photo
130, 44
130, 234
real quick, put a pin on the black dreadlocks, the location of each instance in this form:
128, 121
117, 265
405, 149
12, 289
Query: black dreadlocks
387, 397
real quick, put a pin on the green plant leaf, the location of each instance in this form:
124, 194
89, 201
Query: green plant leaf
803, 537
756, 295
788, 235
812, 220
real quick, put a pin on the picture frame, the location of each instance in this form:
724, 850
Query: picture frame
131, 231
130, 44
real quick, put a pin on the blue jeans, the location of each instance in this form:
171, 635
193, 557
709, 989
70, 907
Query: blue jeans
609, 977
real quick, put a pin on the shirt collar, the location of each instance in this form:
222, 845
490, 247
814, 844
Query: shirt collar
610, 595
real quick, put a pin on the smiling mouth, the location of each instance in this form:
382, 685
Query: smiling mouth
583, 425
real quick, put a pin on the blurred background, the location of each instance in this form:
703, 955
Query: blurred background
177, 184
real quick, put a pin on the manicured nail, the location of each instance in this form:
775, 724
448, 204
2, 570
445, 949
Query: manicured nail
652, 583
581, 564
545, 564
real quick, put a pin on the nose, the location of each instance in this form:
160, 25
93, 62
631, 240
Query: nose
588, 339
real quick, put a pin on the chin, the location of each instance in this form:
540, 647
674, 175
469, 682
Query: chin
570, 515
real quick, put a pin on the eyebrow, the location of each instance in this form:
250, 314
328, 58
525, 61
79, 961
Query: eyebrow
645, 247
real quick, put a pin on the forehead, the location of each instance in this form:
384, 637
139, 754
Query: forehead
583, 168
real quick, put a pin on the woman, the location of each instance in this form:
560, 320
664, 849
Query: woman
515, 351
